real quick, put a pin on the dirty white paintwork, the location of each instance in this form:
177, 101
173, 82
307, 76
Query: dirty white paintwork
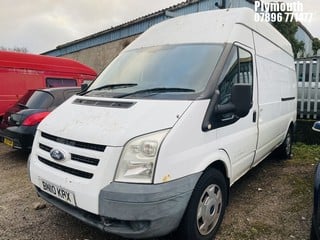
186, 149
112, 126
218, 26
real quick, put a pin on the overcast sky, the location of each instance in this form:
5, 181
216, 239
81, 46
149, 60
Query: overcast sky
41, 25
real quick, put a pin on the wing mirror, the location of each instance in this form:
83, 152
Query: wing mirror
239, 106
241, 101
84, 87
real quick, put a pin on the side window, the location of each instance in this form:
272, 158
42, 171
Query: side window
238, 70
60, 82
230, 74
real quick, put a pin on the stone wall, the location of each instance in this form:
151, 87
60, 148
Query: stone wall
99, 57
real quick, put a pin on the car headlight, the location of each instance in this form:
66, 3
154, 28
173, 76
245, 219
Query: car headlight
138, 158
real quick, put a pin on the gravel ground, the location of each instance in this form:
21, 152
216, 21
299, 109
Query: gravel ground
273, 201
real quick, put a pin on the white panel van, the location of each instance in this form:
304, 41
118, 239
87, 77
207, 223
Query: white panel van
157, 140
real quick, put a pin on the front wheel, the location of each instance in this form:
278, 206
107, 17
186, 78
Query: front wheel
206, 208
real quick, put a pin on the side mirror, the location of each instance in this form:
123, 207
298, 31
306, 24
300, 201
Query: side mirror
240, 102
84, 86
316, 126
238, 106
241, 98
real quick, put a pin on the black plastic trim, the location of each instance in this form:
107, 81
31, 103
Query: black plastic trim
84, 159
287, 99
99, 103
91, 146
74, 157
66, 169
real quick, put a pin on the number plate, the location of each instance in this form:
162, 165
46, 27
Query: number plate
8, 142
59, 192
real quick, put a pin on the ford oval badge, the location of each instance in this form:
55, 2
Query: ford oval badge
57, 155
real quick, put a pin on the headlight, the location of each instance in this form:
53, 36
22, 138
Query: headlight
138, 158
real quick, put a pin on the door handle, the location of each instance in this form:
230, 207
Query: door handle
254, 116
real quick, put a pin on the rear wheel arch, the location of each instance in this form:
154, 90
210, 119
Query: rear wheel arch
285, 149
292, 128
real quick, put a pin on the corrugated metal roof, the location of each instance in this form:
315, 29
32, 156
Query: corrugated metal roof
134, 27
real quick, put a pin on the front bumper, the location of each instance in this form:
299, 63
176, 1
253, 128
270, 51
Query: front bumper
21, 136
136, 210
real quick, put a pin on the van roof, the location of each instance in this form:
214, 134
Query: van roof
41, 62
214, 26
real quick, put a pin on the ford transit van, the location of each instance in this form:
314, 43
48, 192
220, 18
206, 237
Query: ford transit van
156, 142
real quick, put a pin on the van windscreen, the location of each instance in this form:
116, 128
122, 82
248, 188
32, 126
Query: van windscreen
172, 70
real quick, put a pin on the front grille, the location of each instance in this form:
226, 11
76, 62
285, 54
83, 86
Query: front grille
45, 148
66, 169
75, 157
83, 159
74, 143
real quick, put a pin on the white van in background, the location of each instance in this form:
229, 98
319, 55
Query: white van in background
157, 140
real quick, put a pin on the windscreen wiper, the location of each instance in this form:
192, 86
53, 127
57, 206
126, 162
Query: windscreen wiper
22, 105
156, 90
110, 86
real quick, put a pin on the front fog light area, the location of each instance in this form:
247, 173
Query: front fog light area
138, 158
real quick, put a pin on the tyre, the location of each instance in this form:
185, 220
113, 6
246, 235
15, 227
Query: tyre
313, 235
206, 208
285, 149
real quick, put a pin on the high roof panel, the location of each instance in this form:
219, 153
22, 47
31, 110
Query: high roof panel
213, 26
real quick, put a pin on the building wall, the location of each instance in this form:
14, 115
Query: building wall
99, 57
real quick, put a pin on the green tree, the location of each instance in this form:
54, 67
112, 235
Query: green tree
288, 29
315, 45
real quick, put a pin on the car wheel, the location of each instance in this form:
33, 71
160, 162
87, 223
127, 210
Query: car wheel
206, 208
285, 149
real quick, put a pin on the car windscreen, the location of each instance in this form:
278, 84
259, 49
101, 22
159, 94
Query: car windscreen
39, 100
171, 69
